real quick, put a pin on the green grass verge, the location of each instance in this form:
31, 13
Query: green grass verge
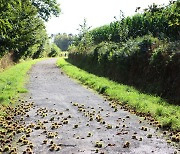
12, 82
168, 115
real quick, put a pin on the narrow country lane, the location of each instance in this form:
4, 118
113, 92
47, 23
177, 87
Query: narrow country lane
68, 118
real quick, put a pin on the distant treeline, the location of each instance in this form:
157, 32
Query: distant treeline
63, 41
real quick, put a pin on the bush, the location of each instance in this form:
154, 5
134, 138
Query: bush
55, 51
145, 62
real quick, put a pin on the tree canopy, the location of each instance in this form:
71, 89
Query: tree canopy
63, 40
46, 8
22, 29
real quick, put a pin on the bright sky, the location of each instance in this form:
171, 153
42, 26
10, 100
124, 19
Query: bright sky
97, 13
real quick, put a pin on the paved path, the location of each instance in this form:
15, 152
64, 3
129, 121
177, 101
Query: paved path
72, 118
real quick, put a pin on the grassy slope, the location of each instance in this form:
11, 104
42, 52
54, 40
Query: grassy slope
168, 115
12, 82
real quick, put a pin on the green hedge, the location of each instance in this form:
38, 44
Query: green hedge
145, 62
159, 21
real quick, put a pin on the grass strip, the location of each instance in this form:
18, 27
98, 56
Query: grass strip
12, 82
168, 115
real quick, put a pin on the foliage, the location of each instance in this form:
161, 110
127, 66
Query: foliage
103, 33
72, 48
160, 21
145, 62
84, 40
21, 30
127, 95
63, 41
46, 8
55, 51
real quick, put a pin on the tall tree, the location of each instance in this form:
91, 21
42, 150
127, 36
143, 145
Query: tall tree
22, 27
46, 8
63, 41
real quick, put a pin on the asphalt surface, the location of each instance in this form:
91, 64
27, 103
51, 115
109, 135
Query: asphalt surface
74, 119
